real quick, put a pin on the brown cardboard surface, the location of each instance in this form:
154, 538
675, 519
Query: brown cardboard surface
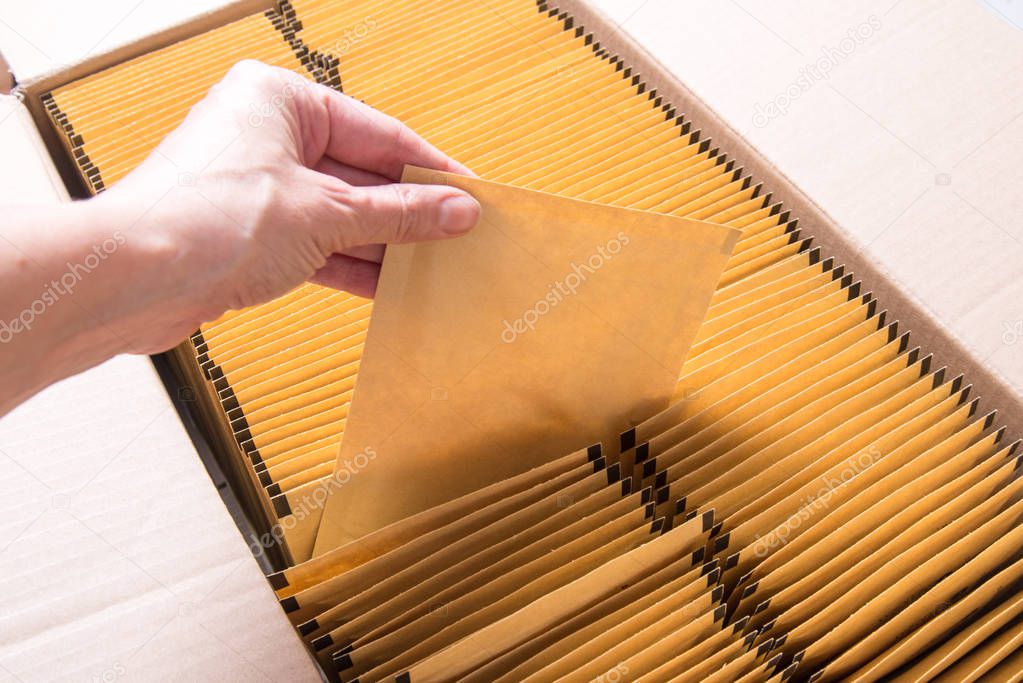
453, 395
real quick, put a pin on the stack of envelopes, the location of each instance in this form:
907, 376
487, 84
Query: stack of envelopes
816, 501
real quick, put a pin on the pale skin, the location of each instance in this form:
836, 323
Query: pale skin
269, 182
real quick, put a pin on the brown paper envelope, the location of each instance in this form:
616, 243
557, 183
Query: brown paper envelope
471, 374
743, 271
455, 573
348, 602
841, 510
307, 475
232, 328
760, 463
901, 622
980, 663
718, 379
300, 463
1009, 667
781, 381
720, 319
256, 369
966, 512
764, 663
660, 665
708, 654
997, 591
688, 623
467, 139
794, 391
742, 669
956, 551
703, 392
759, 232
730, 325
785, 273
687, 167
805, 307
262, 390
517, 162
597, 166
361, 564
969, 638
680, 574
711, 656
224, 349
943, 639
400, 649
459, 517
551, 609
825, 508
843, 461
323, 316
700, 467
878, 523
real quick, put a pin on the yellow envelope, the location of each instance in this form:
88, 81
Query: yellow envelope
554, 324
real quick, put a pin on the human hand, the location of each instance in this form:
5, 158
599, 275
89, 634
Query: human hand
270, 181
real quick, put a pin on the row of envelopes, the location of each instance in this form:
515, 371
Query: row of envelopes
818, 501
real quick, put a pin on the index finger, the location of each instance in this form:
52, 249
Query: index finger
363, 137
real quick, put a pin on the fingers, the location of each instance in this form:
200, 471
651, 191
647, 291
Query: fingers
332, 124
350, 274
403, 212
363, 137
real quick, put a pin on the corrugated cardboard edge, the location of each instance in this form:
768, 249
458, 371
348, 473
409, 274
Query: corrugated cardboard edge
925, 329
24, 121
64, 74
31, 90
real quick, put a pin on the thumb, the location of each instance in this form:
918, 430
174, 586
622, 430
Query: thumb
403, 212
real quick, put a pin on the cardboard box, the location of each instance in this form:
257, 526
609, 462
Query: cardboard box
929, 332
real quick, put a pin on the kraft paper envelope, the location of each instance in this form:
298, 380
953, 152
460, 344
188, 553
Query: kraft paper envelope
555, 323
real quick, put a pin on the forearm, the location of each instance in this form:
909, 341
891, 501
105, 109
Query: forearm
69, 276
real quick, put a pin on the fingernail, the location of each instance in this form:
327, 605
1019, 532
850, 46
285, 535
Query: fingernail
458, 214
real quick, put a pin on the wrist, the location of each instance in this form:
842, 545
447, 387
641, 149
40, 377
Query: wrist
145, 286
